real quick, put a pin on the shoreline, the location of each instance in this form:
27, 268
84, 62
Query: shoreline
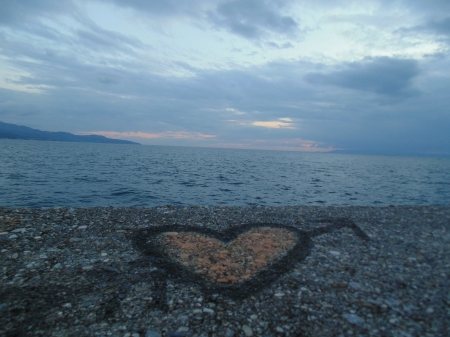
80, 271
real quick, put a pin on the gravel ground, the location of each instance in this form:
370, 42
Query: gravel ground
354, 271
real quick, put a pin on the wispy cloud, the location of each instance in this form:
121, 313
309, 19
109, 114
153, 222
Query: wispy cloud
236, 111
281, 123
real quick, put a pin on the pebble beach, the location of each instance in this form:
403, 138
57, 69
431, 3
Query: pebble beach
225, 271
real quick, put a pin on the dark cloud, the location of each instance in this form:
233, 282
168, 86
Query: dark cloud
33, 37
24, 11
440, 27
160, 7
275, 45
382, 75
429, 7
434, 27
252, 19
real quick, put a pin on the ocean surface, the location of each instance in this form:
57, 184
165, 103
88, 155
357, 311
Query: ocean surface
47, 174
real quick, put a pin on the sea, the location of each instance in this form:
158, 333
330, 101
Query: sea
40, 174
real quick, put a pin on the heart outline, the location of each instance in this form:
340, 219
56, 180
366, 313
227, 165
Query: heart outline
262, 279
145, 241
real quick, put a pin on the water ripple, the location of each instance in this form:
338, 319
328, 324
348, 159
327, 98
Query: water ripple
46, 174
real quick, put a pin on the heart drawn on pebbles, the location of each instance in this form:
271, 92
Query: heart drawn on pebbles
236, 262
232, 262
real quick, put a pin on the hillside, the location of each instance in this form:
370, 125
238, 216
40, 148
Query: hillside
13, 131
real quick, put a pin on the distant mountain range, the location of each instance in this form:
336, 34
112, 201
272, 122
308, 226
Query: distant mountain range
13, 131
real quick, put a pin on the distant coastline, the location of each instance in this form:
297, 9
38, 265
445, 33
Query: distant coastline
13, 131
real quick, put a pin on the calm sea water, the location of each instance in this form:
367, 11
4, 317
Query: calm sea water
46, 174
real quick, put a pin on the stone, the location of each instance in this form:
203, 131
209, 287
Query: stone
354, 285
229, 333
152, 333
247, 330
279, 330
208, 310
353, 319
334, 252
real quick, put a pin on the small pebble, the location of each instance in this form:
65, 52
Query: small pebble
247, 330
152, 333
229, 333
354, 285
353, 319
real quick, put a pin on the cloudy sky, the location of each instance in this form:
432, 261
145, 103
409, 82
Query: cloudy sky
367, 76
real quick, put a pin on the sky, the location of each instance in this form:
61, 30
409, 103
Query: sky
353, 76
